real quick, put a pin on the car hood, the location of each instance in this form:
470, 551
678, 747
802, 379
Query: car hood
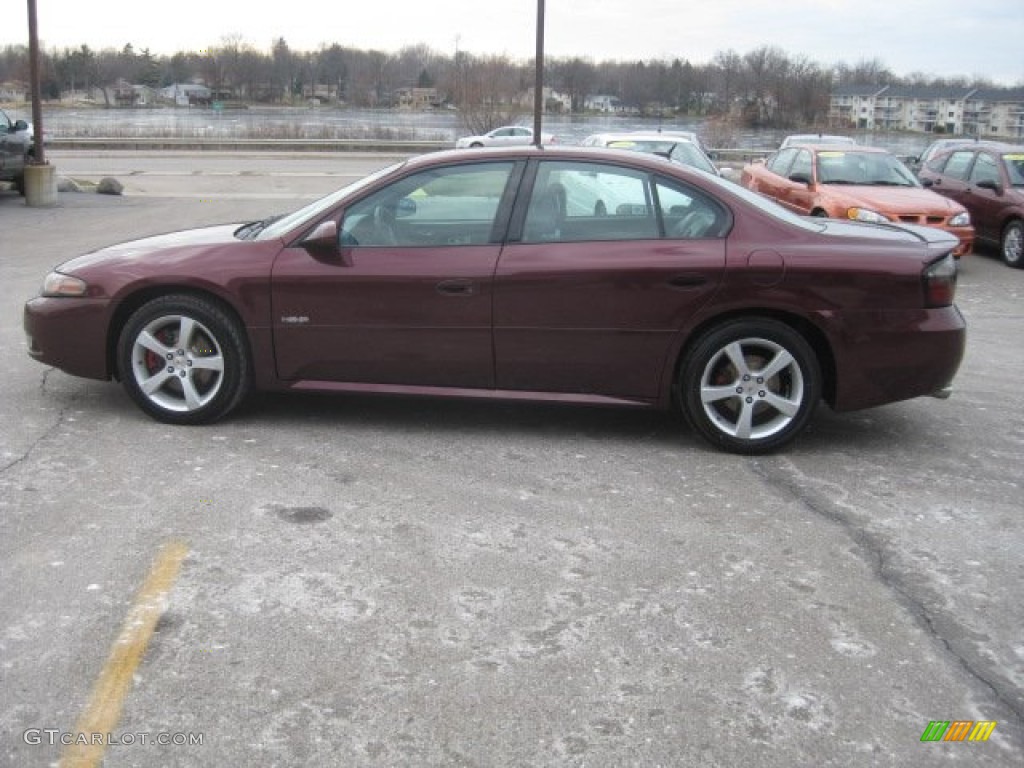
894, 199
172, 242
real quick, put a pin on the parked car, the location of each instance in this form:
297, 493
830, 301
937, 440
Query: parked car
857, 183
506, 136
943, 145
679, 149
816, 138
15, 150
988, 180
459, 274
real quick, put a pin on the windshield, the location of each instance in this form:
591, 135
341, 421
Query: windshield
1015, 168
872, 169
280, 227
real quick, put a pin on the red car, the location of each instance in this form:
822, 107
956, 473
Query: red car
490, 274
856, 183
988, 180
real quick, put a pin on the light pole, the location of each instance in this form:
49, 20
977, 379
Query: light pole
40, 176
34, 86
538, 85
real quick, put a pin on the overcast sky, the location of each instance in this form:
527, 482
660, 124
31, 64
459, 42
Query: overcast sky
937, 37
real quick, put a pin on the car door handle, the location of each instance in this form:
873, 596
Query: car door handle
457, 287
687, 281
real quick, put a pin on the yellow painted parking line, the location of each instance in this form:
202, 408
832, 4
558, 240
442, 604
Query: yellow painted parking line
104, 708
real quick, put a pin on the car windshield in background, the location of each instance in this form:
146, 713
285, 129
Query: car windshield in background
1015, 168
863, 169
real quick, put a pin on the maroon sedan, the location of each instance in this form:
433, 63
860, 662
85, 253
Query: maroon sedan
572, 275
988, 180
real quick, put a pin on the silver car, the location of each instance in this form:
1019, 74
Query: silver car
15, 149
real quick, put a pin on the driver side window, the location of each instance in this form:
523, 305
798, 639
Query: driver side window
442, 206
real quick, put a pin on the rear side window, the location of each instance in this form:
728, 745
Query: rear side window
589, 201
957, 165
689, 214
577, 202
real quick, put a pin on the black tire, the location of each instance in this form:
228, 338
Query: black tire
819, 214
725, 398
476, 145
197, 382
1011, 245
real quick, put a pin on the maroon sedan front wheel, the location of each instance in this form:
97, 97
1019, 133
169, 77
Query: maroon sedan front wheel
183, 360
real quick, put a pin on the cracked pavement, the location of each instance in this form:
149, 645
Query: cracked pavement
402, 582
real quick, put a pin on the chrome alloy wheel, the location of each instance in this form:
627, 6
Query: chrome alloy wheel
177, 363
1013, 244
752, 388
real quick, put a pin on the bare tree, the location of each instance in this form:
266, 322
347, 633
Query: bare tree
487, 87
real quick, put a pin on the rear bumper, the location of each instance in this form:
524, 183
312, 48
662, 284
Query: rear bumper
884, 357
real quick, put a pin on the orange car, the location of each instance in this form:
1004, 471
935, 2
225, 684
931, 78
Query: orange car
858, 183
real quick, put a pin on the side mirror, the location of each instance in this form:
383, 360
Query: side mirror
990, 184
927, 183
20, 125
801, 178
322, 242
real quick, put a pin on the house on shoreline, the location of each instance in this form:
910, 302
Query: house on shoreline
994, 113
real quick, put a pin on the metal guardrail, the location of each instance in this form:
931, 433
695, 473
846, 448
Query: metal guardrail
239, 145
722, 156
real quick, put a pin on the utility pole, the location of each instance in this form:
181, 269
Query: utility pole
40, 176
33, 69
538, 85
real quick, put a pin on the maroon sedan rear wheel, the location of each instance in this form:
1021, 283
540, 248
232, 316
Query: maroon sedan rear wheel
750, 385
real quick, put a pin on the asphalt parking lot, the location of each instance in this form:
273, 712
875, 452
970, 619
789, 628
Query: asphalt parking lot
385, 582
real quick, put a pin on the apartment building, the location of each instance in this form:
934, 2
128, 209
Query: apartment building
996, 113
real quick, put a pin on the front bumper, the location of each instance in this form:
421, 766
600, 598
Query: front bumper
69, 334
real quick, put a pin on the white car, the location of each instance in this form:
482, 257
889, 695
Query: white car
678, 146
506, 136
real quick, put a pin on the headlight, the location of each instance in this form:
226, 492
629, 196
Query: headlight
864, 214
57, 284
961, 220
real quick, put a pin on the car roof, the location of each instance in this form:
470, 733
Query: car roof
817, 138
995, 146
642, 136
562, 151
842, 148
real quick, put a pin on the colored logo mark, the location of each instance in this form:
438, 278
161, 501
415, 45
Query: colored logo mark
958, 730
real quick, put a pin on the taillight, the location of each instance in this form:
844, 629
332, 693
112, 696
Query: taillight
940, 282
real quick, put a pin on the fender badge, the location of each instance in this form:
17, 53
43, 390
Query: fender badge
294, 319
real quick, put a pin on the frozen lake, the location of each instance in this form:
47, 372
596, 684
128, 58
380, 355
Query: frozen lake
331, 123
